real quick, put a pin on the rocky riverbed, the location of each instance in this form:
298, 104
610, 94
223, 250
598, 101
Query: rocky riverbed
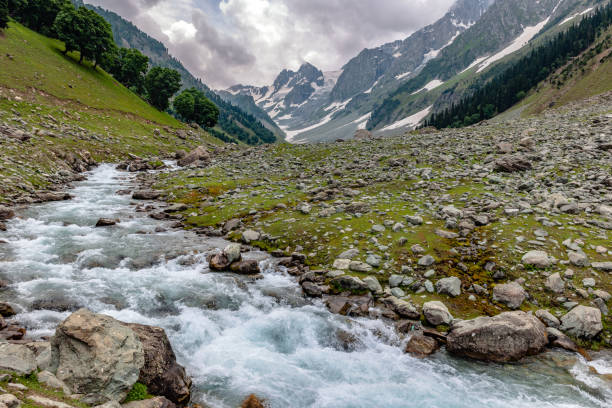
422, 244
431, 226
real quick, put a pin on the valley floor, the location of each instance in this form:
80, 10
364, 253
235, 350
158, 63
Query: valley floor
526, 202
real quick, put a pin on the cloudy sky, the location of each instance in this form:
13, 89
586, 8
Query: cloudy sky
250, 41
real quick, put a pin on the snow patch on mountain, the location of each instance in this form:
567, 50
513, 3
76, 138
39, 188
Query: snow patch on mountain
412, 121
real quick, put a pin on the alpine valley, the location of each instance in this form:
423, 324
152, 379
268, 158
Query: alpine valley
397, 85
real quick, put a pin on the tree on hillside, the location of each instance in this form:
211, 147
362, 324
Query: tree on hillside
192, 105
85, 31
38, 15
4, 17
161, 84
128, 66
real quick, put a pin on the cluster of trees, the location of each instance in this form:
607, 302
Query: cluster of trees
513, 84
4, 14
85, 31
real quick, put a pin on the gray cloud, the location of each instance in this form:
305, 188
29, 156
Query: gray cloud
250, 41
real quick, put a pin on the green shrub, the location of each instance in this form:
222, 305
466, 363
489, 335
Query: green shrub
137, 393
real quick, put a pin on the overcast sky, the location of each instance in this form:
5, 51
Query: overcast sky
225, 42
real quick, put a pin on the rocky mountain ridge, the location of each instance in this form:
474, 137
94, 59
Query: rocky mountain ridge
397, 85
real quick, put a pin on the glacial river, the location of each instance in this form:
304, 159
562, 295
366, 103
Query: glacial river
238, 337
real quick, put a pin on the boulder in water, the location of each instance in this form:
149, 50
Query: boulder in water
6, 213
105, 222
421, 346
508, 336
161, 373
247, 267
97, 356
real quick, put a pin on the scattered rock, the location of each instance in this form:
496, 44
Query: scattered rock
511, 294
582, 321
436, 313
508, 336
421, 346
449, 286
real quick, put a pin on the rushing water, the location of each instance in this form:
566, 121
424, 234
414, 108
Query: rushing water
237, 336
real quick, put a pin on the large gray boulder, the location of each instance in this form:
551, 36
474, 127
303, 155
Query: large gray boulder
508, 336
449, 286
582, 321
198, 155
436, 313
17, 358
538, 259
97, 356
161, 373
510, 294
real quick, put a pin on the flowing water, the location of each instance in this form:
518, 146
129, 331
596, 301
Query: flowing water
236, 336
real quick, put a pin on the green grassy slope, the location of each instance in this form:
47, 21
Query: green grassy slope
79, 108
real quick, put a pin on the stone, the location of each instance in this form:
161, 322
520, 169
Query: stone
373, 284
246, 267
10, 401
312, 289
249, 236
582, 321
156, 402
232, 252
537, 258
602, 266
342, 264
252, 401
402, 308
357, 266
395, 280
51, 381
556, 338
578, 259
146, 195
506, 337
436, 313
40, 401
397, 292
449, 286
512, 164
6, 310
374, 260
426, 261
161, 373
414, 220
17, 358
218, 262
349, 254
510, 294
588, 282
352, 283
504, 147
547, 318
97, 356
421, 346
199, 154
555, 283
6, 213
105, 222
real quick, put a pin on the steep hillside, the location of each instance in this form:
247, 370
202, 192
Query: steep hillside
502, 35
53, 111
589, 74
237, 123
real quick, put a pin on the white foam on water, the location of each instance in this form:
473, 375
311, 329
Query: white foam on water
238, 337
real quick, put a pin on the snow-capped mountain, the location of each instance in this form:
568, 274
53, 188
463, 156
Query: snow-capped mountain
395, 86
